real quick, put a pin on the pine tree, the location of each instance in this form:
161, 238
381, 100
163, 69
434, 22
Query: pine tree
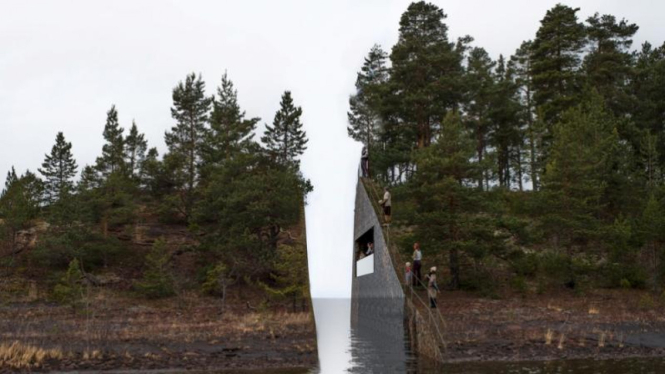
647, 88
608, 65
248, 201
152, 174
135, 148
445, 202
190, 110
70, 290
230, 132
480, 86
58, 170
556, 61
426, 71
520, 65
90, 179
507, 133
19, 204
579, 172
285, 139
157, 279
10, 180
113, 152
364, 116
652, 226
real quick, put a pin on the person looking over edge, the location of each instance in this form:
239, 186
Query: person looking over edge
432, 287
364, 162
417, 258
387, 205
370, 249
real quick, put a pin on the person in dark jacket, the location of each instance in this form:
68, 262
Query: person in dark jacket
364, 162
432, 287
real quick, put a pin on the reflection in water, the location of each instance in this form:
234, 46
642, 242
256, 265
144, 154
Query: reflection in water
376, 343
333, 334
627, 366
376, 346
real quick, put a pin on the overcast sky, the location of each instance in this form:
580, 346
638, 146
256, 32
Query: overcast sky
64, 63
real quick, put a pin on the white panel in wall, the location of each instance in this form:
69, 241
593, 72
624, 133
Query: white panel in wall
365, 266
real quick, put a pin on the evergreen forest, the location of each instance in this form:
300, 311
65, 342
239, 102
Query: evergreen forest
218, 208
536, 171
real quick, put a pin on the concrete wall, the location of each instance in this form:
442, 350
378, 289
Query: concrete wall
377, 303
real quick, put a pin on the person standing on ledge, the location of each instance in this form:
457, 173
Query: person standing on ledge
417, 258
364, 162
432, 287
408, 275
386, 203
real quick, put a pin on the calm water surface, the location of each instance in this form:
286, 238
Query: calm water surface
359, 351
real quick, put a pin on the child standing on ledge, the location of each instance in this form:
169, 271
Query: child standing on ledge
408, 275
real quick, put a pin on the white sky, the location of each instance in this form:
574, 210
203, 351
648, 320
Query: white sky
63, 64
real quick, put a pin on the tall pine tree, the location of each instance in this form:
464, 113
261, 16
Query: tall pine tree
364, 119
230, 132
285, 139
520, 66
113, 152
480, 86
59, 170
556, 60
426, 71
440, 186
190, 109
135, 148
608, 65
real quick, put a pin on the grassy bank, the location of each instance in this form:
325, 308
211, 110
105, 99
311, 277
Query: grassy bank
117, 330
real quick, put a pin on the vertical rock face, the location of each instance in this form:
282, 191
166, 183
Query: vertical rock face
377, 300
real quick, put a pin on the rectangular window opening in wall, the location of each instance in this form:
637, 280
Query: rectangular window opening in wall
364, 253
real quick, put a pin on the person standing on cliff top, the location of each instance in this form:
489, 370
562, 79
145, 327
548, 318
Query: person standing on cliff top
364, 162
417, 258
432, 287
387, 205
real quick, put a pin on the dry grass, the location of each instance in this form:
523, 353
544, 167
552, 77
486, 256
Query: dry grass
561, 339
549, 335
594, 311
111, 320
22, 356
555, 308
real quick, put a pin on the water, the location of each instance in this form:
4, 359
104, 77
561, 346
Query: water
343, 349
626, 366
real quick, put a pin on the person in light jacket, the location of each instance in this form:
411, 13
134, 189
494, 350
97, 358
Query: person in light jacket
386, 203
417, 258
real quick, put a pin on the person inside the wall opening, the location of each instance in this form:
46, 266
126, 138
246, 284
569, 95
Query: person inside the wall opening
370, 249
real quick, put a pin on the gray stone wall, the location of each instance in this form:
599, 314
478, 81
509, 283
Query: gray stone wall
377, 299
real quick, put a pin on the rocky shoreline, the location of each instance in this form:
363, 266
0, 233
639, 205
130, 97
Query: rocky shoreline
603, 324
